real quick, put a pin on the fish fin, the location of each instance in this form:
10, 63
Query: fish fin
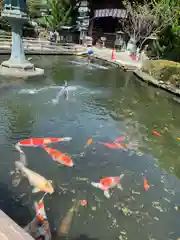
119, 186
121, 176
96, 185
67, 139
17, 179
65, 84
23, 159
35, 190
66, 94
107, 194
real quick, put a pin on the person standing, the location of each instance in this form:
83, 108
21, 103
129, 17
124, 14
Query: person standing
51, 36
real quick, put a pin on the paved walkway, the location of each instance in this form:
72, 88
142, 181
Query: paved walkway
122, 58
9, 230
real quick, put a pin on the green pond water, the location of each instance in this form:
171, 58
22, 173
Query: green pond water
102, 104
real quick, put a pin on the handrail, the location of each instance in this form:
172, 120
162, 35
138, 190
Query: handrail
35, 41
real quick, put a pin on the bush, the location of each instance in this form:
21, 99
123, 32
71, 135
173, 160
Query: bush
163, 70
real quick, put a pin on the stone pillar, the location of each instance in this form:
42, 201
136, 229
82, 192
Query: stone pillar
17, 58
91, 24
15, 11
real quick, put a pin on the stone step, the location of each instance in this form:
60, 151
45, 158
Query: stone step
9, 230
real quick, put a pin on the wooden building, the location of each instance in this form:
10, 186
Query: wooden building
105, 20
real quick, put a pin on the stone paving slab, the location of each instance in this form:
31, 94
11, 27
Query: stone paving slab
9, 230
122, 58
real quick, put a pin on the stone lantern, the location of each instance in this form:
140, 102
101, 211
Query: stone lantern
120, 41
15, 11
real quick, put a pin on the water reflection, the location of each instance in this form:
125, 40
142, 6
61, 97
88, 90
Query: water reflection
20, 120
13, 205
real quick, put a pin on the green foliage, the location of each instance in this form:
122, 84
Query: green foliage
34, 8
163, 70
169, 38
61, 11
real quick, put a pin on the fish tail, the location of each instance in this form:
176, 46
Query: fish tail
65, 84
17, 146
107, 194
96, 185
17, 178
19, 165
67, 139
121, 176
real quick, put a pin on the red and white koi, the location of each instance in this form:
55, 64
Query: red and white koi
40, 210
59, 157
156, 133
107, 183
120, 139
35, 142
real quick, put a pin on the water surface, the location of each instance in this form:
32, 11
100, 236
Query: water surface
102, 104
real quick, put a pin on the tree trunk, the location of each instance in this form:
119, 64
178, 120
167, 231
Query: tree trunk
131, 46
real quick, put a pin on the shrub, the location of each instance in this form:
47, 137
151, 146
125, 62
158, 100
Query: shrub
163, 70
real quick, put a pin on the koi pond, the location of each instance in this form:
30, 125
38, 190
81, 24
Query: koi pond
103, 104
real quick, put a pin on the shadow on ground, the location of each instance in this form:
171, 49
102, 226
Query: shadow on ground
13, 206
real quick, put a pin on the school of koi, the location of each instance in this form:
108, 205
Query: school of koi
41, 184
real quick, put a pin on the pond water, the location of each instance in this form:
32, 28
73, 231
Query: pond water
103, 104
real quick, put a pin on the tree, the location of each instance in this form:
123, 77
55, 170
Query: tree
61, 11
168, 43
1, 4
145, 20
34, 7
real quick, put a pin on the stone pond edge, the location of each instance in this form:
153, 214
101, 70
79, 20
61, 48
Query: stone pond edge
142, 76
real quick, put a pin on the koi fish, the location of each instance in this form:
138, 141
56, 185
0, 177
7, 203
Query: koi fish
120, 139
35, 142
112, 145
156, 133
88, 142
59, 157
66, 222
146, 185
39, 183
107, 183
40, 210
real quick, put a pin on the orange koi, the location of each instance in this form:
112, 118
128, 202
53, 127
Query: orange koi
112, 145
156, 133
59, 157
88, 142
146, 185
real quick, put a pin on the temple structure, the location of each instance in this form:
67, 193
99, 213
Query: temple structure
106, 15
104, 19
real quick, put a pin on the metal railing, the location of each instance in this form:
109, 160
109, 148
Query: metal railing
35, 44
